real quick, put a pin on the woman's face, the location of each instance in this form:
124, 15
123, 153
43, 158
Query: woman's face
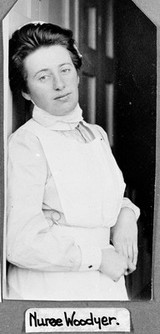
52, 80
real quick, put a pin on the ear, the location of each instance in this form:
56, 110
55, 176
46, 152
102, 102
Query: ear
26, 96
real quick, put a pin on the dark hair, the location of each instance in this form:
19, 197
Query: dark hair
31, 37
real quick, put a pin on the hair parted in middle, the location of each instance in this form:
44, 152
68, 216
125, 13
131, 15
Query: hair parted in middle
31, 37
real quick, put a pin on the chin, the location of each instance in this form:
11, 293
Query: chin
66, 110
59, 113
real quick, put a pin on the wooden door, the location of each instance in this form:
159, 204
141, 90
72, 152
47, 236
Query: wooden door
95, 43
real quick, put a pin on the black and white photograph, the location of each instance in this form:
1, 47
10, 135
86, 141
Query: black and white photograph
80, 148
80, 165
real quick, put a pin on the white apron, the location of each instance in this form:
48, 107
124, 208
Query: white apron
90, 188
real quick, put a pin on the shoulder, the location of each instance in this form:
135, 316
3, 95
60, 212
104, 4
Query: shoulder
23, 144
22, 136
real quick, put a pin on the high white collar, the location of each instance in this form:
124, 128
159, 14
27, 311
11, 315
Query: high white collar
67, 122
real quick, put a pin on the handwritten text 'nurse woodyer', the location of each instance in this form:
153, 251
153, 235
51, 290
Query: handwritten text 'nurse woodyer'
72, 320
47, 320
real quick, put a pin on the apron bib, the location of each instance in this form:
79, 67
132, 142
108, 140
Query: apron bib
88, 181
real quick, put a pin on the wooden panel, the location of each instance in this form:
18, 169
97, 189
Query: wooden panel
109, 98
92, 28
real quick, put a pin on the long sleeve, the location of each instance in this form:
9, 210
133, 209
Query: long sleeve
128, 204
31, 241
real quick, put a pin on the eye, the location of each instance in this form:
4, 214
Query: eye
44, 77
66, 70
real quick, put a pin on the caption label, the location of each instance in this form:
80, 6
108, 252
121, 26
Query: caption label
40, 320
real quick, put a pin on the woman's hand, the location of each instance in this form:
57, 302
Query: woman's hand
114, 265
124, 236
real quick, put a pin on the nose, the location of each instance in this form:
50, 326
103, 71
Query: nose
58, 82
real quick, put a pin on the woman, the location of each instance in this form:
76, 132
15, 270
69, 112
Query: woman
65, 190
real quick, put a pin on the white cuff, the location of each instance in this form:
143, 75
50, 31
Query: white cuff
91, 258
128, 204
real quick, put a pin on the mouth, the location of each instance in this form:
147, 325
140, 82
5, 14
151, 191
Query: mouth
62, 97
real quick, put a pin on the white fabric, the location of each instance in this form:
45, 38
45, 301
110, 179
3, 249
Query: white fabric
35, 243
83, 172
65, 122
64, 286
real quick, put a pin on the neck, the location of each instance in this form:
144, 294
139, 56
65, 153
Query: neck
66, 122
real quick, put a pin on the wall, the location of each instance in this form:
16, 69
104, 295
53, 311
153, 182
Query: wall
59, 12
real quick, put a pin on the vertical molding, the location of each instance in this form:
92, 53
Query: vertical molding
92, 27
74, 19
156, 229
109, 30
1, 156
109, 99
91, 97
6, 113
66, 13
